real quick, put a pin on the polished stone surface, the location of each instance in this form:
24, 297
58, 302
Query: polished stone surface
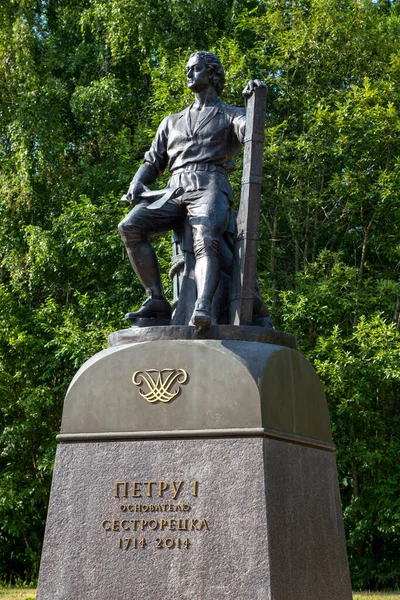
245, 333
307, 550
272, 511
229, 385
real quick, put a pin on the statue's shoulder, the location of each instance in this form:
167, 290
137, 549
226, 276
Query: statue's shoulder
170, 121
182, 113
173, 117
233, 111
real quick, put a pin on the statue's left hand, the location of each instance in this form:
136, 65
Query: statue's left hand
250, 87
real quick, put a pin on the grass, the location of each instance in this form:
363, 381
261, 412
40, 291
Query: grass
17, 593
30, 594
376, 595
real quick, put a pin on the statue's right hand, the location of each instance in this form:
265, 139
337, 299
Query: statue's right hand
135, 189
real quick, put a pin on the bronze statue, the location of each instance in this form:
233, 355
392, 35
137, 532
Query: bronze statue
199, 146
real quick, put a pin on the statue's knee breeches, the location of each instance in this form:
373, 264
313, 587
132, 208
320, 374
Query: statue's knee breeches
208, 219
131, 232
205, 241
142, 222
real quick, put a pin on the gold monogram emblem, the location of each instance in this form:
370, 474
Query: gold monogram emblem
163, 385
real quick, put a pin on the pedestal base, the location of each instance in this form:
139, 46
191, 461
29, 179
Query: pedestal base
195, 470
265, 523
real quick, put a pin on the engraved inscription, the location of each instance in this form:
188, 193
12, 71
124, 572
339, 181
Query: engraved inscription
150, 489
158, 498
155, 507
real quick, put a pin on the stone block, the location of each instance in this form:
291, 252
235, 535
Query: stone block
230, 385
266, 522
227, 489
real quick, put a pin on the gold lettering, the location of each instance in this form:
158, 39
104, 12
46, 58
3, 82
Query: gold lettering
163, 523
116, 488
178, 508
195, 488
176, 489
170, 507
134, 524
153, 524
145, 508
151, 507
164, 506
149, 486
123, 527
203, 524
124, 508
192, 524
185, 507
103, 524
143, 524
184, 526
162, 486
115, 525
135, 489
171, 524
137, 507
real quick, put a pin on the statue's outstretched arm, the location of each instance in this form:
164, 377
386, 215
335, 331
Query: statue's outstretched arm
145, 175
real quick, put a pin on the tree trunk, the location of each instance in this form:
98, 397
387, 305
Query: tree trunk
364, 251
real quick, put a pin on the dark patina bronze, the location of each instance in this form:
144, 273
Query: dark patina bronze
199, 146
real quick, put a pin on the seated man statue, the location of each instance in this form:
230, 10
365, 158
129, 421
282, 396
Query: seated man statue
199, 146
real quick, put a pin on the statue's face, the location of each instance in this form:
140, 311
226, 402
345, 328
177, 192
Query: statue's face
196, 73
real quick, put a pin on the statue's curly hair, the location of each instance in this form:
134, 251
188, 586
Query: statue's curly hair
215, 70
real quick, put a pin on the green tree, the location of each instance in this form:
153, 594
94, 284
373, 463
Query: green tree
83, 87
330, 250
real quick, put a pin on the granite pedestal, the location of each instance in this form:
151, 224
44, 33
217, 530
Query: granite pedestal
195, 470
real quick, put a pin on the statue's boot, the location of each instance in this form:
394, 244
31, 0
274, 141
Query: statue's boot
157, 308
201, 316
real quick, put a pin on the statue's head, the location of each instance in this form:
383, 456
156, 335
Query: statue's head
215, 70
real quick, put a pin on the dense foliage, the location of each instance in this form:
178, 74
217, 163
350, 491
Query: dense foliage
84, 84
